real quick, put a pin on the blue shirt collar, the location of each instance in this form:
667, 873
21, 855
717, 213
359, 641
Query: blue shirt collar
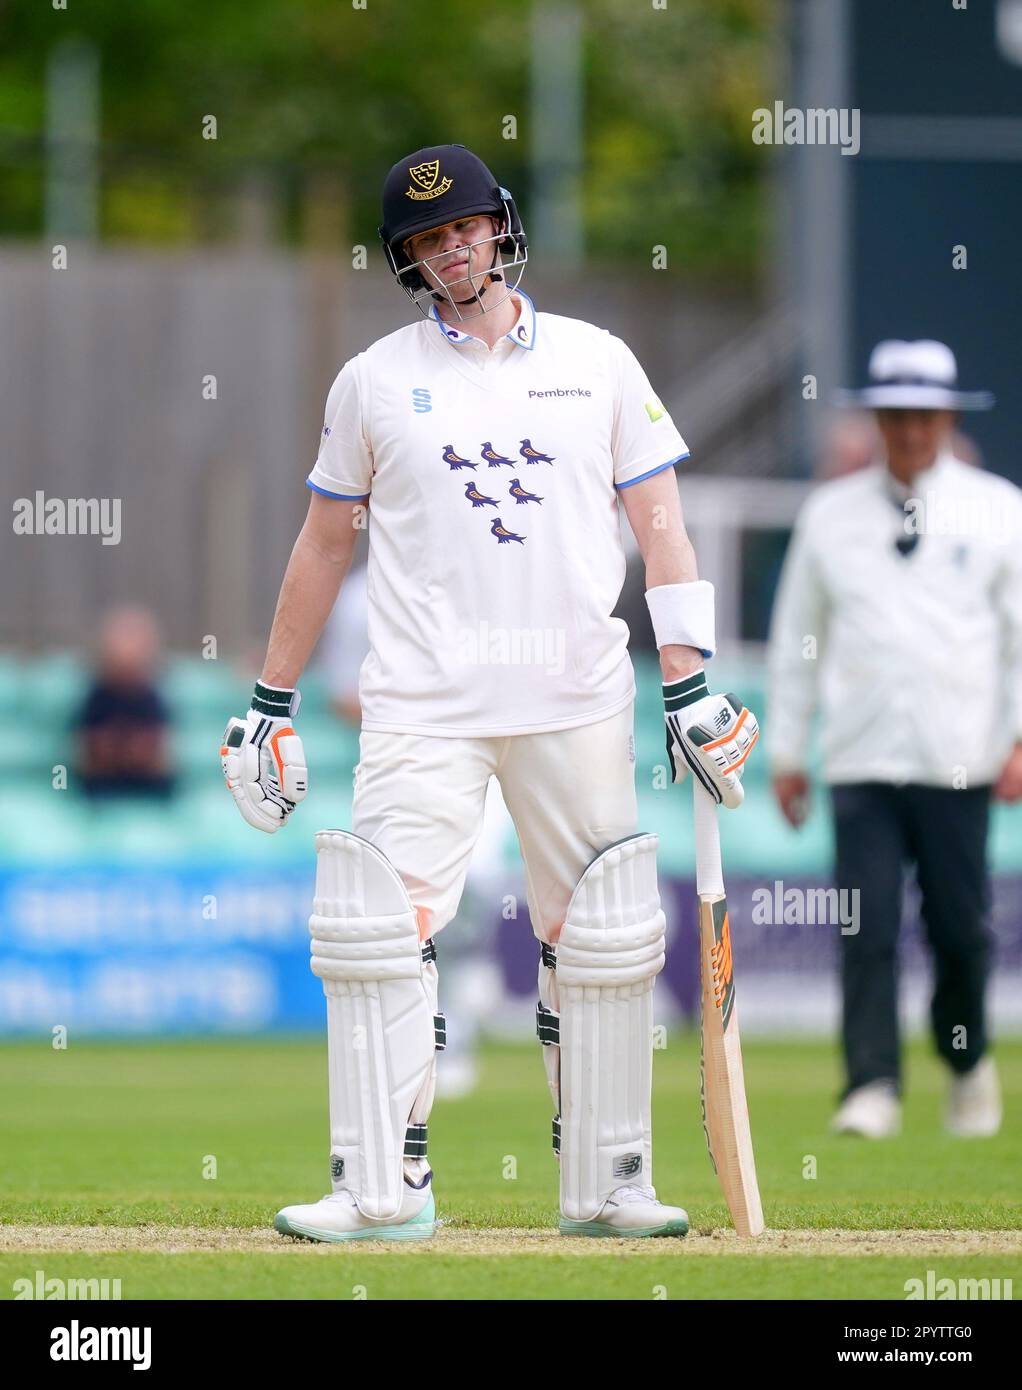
522, 335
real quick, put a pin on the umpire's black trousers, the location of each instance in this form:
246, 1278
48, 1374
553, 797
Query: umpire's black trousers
879, 830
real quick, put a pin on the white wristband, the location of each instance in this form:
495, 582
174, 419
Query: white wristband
682, 615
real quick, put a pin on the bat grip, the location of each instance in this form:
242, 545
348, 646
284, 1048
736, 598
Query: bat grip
709, 874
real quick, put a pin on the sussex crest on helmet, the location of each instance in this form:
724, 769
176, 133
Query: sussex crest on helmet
425, 175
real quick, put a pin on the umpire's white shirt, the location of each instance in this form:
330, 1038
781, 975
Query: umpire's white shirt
491, 586
918, 657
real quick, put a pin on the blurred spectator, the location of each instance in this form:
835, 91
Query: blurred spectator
122, 726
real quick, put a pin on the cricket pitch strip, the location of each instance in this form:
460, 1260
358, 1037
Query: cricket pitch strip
180, 1240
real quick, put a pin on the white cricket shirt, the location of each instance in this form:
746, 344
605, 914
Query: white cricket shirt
914, 658
495, 555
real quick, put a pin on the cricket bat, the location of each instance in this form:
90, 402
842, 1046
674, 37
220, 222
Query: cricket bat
725, 1109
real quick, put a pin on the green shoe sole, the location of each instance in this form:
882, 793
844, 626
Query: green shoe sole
677, 1227
420, 1227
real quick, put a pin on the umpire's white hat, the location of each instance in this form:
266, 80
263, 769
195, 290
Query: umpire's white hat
914, 376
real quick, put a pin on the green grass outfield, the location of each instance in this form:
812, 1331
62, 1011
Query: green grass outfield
105, 1146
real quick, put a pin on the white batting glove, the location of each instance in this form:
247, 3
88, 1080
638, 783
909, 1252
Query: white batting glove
263, 760
710, 736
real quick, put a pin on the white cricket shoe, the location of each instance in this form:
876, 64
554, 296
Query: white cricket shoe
872, 1111
337, 1217
631, 1211
974, 1102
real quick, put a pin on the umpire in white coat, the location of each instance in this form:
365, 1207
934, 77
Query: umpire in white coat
899, 613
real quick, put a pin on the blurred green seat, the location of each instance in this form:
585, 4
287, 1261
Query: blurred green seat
201, 823
49, 825
53, 686
210, 689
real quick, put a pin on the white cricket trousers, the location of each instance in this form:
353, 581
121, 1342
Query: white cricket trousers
570, 792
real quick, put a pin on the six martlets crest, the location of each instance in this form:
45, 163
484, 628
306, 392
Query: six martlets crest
481, 498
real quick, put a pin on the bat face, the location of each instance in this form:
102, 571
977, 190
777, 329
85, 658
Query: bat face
721, 962
725, 1110
718, 972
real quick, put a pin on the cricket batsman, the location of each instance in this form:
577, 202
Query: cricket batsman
489, 445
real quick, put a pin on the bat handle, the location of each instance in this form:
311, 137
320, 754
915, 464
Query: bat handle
709, 874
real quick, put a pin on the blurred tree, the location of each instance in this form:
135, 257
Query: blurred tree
305, 91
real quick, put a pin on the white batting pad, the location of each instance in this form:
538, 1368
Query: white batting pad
610, 951
366, 950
